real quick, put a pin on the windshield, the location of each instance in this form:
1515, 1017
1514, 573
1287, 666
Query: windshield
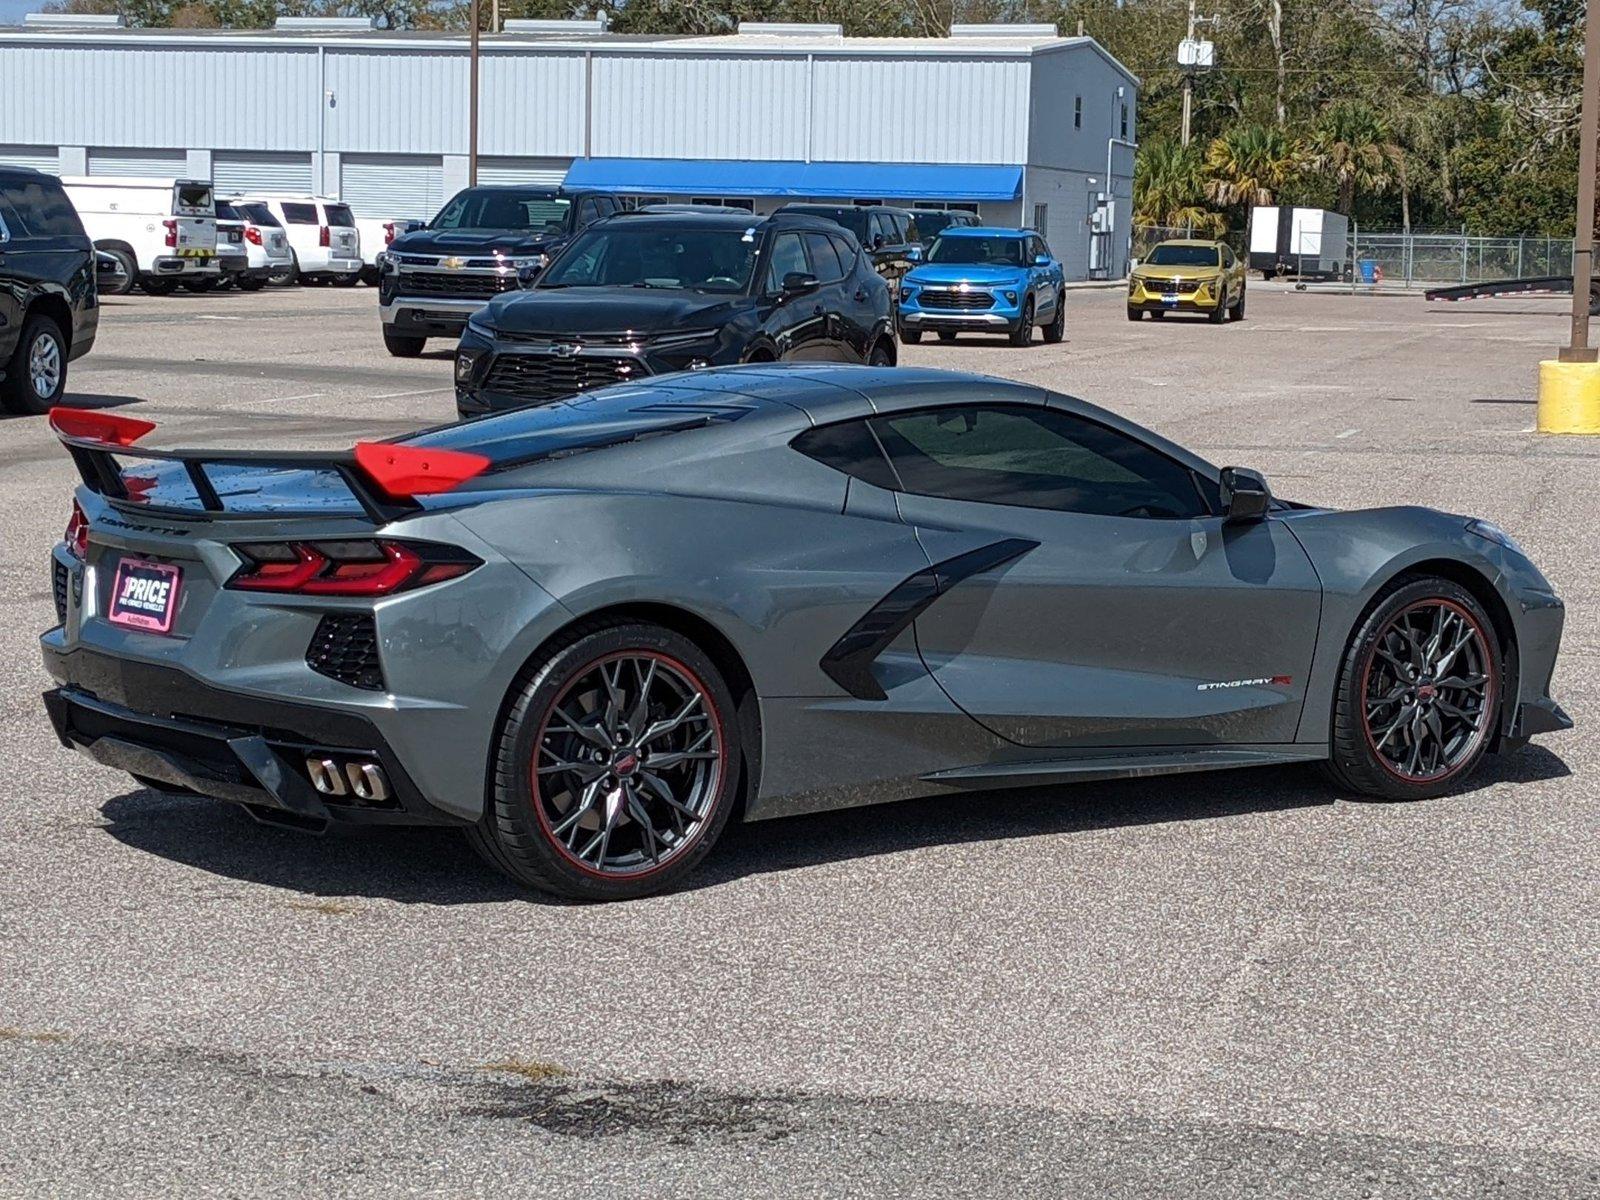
853, 219
1169, 254
505, 208
708, 260
995, 251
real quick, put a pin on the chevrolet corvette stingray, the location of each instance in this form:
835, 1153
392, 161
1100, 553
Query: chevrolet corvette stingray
592, 632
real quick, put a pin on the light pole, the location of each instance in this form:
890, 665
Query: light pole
1577, 348
472, 99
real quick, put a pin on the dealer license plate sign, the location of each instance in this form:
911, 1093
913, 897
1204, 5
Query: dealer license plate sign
144, 595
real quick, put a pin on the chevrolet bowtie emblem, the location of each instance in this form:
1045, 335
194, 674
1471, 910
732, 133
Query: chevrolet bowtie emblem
452, 264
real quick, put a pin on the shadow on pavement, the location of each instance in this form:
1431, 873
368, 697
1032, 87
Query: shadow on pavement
81, 400
435, 866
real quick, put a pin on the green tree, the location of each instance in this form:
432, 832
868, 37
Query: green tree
1352, 148
1250, 164
1169, 188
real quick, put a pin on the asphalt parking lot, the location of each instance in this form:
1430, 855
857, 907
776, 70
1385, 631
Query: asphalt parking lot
1225, 985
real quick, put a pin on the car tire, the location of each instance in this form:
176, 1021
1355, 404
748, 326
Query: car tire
401, 346
1135, 314
36, 376
911, 337
1420, 685
1056, 331
289, 275
347, 280
882, 355
370, 276
1238, 308
1022, 335
200, 285
155, 285
1157, 314
254, 284
564, 814
947, 335
130, 271
1219, 314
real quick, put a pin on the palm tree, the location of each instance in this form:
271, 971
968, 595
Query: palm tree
1169, 188
1250, 164
1353, 148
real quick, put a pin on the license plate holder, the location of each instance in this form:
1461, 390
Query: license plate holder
144, 595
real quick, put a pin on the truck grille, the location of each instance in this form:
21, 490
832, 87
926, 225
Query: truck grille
551, 376
949, 299
345, 647
452, 283
58, 589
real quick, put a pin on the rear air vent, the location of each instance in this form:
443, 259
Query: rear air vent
345, 647
58, 590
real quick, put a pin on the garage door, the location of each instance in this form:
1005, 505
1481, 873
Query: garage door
392, 185
40, 158
541, 172
261, 171
159, 163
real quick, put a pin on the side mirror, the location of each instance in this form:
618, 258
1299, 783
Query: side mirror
877, 241
1041, 260
413, 226
1245, 495
799, 283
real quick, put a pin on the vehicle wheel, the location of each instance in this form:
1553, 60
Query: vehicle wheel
289, 274
313, 280
947, 335
200, 285
37, 373
1269, 276
1219, 314
882, 355
1157, 314
911, 336
1418, 693
157, 286
1135, 313
616, 766
370, 276
1056, 331
347, 280
401, 346
1022, 335
253, 284
1238, 308
130, 271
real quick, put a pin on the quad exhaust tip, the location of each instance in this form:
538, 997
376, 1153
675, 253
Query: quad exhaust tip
359, 778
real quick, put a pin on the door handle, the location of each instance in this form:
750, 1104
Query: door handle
861, 295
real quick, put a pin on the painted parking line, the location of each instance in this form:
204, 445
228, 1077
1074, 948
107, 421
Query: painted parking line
419, 392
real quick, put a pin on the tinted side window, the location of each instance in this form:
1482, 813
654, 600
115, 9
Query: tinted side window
824, 258
788, 255
851, 448
1034, 458
300, 214
588, 210
42, 209
847, 250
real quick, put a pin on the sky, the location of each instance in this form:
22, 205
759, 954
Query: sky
11, 11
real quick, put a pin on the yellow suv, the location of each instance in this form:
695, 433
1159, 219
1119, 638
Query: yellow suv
1188, 276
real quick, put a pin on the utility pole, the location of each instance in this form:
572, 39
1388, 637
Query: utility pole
472, 100
1193, 56
1188, 79
1578, 348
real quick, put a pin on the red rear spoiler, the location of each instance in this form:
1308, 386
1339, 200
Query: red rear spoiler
384, 477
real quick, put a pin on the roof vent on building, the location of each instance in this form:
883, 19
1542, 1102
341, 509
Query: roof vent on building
326, 24
62, 20
790, 29
1004, 31
591, 27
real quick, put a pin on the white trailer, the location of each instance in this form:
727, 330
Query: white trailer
1308, 243
161, 231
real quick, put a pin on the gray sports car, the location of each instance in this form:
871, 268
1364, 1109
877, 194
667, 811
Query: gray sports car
591, 633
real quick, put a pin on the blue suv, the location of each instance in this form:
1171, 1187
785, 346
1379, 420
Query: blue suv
985, 279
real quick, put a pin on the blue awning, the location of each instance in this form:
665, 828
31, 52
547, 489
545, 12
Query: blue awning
739, 177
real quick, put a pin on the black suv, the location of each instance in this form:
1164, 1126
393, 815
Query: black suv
931, 222
49, 309
647, 293
890, 235
485, 241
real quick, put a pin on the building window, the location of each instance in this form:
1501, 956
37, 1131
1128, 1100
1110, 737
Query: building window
1077, 112
1124, 122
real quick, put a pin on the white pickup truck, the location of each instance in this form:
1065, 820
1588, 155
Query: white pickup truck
161, 231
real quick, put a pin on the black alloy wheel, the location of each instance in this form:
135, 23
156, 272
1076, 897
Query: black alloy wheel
1056, 331
1022, 335
1419, 694
881, 355
1219, 314
617, 766
910, 336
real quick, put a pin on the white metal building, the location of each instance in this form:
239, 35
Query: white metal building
1015, 122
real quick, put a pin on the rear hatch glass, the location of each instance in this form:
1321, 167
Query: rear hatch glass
340, 215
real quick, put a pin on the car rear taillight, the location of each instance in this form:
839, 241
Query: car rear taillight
388, 232
172, 232
347, 568
77, 535
252, 235
324, 238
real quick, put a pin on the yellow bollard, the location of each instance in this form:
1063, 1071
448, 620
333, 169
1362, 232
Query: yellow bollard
1569, 397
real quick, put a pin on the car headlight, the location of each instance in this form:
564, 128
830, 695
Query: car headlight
1490, 532
687, 337
523, 262
907, 294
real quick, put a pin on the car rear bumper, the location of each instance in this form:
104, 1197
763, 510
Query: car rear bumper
136, 717
186, 266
